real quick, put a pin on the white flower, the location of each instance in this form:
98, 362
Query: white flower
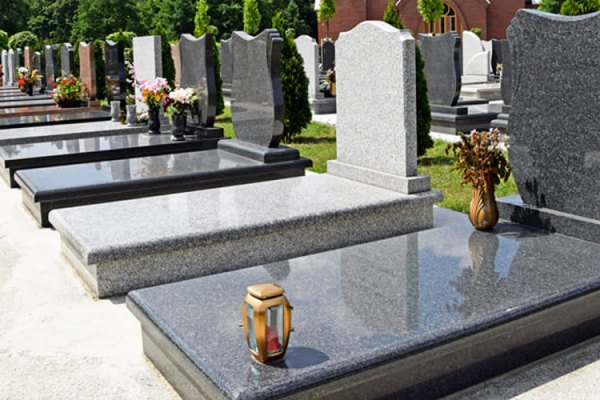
23, 70
183, 95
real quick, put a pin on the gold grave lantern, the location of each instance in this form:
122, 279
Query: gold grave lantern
267, 320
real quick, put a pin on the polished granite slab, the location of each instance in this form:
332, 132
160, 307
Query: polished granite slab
53, 119
132, 178
6, 100
463, 118
42, 110
28, 103
414, 316
34, 134
124, 245
73, 151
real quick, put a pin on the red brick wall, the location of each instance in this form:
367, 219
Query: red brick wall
500, 13
348, 14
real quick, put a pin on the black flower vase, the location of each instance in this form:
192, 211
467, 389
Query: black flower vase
29, 89
154, 120
178, 127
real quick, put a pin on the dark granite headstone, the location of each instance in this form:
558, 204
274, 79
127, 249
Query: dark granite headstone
115, 71
40, 62
328, 61
52, 65
442, 67
226, 64
496, 54
87, 67
20, 58
66, 59
198, 73
506, 79
257, 98
554, 124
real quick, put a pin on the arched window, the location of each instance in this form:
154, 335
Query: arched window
447, 23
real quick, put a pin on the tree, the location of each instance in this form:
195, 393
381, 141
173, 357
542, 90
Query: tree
579, 7
100, 69
22, 39
227, 16
53, 20
293, 20
14, 15
168, 65
202, 19
424, 141
97, 19
175, 16
326, 13
251, 17
430, 10
3, 39
551, 6
294, 84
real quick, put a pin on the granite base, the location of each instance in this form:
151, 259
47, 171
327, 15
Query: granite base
326, 105
53, 119
512, 208
501, 123
405, 317
125, 245
462, 118
486, 91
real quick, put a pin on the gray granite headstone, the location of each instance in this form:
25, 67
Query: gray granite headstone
376, 118
554, 122
309, 50
226, 63
256, 94
147, 59
114, 54
198, 73
496, 54
20, 58
442, 67
4, 62
328, 61
36, 63
66, 59
52, 65
506, 80
12, 67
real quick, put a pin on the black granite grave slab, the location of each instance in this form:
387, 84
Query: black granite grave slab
405, 317
34, 101
101, 182
328, 54
53, 119
74, 151
7, 100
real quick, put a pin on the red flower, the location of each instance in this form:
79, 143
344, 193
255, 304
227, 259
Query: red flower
21, 82
54, 84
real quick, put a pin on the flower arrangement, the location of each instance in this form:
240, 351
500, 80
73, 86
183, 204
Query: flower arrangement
330, 76
481, 160
179, 101
67, 89
26, 78
155, 92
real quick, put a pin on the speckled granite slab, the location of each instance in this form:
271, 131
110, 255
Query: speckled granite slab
132, 178
120, 246
415, 316
53, 119
67, 131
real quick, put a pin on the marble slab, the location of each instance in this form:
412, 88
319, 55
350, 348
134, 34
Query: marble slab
53, 119
120, 246
405, 317
73, 151
36, 134
133, 178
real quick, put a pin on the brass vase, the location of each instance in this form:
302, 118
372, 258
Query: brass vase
483, 211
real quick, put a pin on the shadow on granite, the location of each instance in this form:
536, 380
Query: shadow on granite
405, 317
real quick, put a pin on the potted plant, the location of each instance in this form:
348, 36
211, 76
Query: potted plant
67, 92
27, 80
483, 164
153, 94
176, 106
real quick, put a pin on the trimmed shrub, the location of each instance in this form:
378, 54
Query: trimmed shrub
579, 7
22, 39
168, 65
251, 17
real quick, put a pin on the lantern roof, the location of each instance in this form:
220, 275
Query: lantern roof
265, 290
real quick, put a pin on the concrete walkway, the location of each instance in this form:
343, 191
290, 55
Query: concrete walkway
58, 342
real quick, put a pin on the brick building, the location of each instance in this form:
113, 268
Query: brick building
491, 16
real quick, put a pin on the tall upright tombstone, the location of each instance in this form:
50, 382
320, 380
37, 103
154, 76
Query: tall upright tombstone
309, 50
147, 58
114, 54
4, 61
553, 125
20, 59
52, 65
87, 67
66, 59
501, 122
36, 64
226, 65
328, 61
377, 144
475, 58
12, 66
176, 63
28, 58
198, 73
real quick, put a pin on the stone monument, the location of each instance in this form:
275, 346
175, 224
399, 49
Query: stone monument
147, 59
114, 54
226, 65
20, 59
36, 64
506, 87
4, 61
87, 67
176, 63
553, 124
328, 61
66, 59
309, 50
12, 67
198, 73
475, 58
28, 58
52, 65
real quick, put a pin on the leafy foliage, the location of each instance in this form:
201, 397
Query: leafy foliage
551, 6
480, 159
251, 17
476, 30
100, 69
53, 20
202, 19
98, 18
294, 84
326, 13
579, 7
121, 36
168, 65
424, 141
22, 39
14, 15
430, 10
3, 39
292, 18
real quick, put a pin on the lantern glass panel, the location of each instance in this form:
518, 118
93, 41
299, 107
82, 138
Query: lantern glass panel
251, 330
275, 329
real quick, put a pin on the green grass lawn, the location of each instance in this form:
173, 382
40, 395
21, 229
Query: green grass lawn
317, 142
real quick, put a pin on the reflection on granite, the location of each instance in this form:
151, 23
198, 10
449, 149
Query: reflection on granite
51, 119
364, 305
